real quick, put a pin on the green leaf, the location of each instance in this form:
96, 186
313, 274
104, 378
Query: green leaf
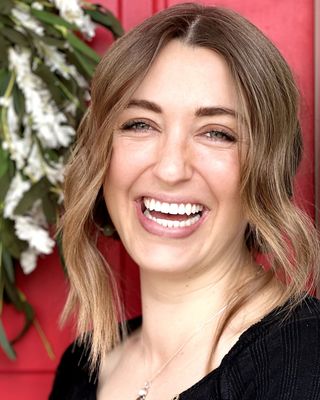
8, 265
53, 31
6, 7
60, 251
4, 45
52, 19
1, 292
5, 179
13, 294
29, 314
70, 85
21, 304
5, 344
4, 161
79, 45
50, 155
107, 19
44, 72
15, 37
85, 65
49, 208
72, 59
52, 82
5, 20
10, 241
51, 41
19, 102
37, 191
4, 80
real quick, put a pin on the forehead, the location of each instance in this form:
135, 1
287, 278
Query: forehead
189, 76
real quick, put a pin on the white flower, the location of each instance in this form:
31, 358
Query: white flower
37, 214
4, 102
72, 12
49, 123
56, 61
37, 237
12, 117
55, 171
71, 108
87, 96
18, 146
27, 20
32, 228
36, 5
17, 188
5, 145
28, 260
37, 167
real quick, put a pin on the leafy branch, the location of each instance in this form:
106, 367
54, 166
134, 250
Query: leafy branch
45, 69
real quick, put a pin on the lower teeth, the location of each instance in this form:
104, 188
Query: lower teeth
168, 223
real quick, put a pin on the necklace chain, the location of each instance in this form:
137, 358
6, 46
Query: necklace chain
143, 392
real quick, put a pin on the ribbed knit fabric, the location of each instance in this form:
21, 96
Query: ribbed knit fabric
275, 359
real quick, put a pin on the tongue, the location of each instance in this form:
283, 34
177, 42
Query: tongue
178, 217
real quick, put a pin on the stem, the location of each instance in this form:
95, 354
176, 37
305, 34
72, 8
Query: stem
44, 339
8, 91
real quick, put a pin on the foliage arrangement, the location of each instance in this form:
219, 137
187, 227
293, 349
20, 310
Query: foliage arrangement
45, 69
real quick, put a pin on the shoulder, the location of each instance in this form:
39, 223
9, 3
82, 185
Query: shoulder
73, 380
279, 357
302, 318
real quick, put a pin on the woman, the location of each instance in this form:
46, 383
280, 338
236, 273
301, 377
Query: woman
192, 141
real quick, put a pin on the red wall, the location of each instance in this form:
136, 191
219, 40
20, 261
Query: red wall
290, 25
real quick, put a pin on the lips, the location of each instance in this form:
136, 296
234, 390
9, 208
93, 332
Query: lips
173, 219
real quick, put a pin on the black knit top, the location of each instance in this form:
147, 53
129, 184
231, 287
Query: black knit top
275, 359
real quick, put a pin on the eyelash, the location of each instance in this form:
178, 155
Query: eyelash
136, 125
221, 135
133, 125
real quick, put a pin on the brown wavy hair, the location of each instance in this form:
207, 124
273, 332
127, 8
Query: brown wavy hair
268, 100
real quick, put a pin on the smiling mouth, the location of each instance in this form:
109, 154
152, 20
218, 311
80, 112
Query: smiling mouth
171, 215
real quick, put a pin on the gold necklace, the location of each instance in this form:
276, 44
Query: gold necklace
143, 392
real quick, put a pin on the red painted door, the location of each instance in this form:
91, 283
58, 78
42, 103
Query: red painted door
290, 25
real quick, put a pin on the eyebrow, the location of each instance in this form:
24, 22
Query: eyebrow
200, 112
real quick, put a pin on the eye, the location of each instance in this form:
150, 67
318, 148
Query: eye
220, 135
136, 125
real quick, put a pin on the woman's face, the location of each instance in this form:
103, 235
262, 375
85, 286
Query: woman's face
172, 189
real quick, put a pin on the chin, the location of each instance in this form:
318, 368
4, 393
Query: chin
165, 258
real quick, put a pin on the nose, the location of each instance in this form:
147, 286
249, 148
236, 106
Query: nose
173, 160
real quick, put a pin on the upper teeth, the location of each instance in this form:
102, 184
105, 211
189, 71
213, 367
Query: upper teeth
172, 208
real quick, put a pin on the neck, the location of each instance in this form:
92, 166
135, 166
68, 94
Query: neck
175, 306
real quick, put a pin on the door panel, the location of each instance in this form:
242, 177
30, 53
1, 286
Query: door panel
290, 25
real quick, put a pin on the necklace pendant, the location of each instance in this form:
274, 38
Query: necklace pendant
143, 392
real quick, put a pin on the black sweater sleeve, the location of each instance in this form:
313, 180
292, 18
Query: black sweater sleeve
73, 380
282, 363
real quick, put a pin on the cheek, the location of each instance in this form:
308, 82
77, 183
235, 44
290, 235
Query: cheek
128, 162
221, 170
